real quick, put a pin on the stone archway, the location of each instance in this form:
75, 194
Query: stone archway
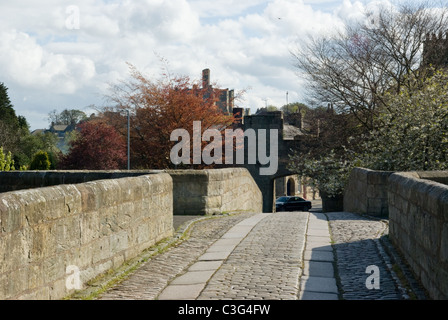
286, 143
291, 187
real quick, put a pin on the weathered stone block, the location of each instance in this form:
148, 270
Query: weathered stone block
58, 289
72, 199
90, 227
144, 233
442, 278
19, 248
444, 244
213, 201
15, 283
88, 197
39, 245
53, 267
11, 216
55, 202
118, 241
101, 249
443, 206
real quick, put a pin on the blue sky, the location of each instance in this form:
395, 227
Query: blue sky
49, 62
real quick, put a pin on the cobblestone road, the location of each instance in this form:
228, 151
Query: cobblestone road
268, 262
360, 243
358, 250
148, 281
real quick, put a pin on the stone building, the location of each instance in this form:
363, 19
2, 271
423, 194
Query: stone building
283, 182
435, 50
294, 185
60, 131
225, 96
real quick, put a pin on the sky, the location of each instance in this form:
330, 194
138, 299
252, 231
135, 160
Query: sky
59, 54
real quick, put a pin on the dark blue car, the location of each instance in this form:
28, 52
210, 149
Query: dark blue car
292, 203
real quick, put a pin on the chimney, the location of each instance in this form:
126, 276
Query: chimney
238, 114
205, 78
231, 98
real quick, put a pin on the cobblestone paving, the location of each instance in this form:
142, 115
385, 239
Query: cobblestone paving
357, 246
149, 280
267, 264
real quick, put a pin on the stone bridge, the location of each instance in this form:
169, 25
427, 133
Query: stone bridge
56, 227
54, 224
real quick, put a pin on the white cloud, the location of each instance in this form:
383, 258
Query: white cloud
244, 43
27, 63
224, 8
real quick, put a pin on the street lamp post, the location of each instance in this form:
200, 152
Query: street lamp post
129, 143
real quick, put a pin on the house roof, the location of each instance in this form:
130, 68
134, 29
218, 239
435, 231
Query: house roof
60, 127
37, 131
289, 132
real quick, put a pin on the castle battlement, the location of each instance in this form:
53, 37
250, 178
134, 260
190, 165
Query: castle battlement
435, 50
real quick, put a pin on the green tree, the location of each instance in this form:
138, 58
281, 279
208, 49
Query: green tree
412, 134
9, 122
293, 108
67, 117
271, 108
15, 135
7, 113
6, 162
40, 161
48, 142
327, 172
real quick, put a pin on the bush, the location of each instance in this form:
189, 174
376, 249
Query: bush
328, 173
40, 161
6, 162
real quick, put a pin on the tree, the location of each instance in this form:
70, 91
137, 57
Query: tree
98, 146
354, 68
376, 77
413, 133
8, 136
67, 117
41, 161
157, 108
7, 113
9, 122
327, 172
14, 131
326, 154
6, 162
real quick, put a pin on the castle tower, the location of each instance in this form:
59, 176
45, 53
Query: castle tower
435, 50
205, 78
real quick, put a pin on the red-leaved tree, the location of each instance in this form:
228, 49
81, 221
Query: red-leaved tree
98, 147
157, 108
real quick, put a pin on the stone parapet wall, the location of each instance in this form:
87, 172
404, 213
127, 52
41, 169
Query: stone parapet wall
207, 192
366, 192
418, 226
19, 180
91, 226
